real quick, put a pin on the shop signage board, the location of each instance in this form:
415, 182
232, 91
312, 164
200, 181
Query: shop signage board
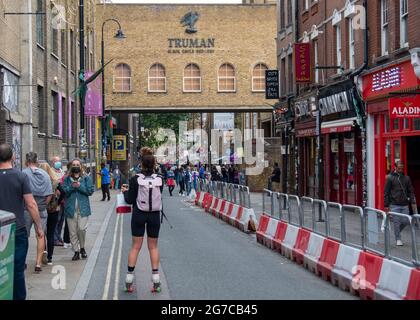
404, 107
119, 148
272, 84
394, 78
303, 65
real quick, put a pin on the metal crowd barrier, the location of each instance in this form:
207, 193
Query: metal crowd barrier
237, 194
354, 236
367, 229
283, 200
295, 211
375, 230
320, 209
335, 227
308, 214
267, 193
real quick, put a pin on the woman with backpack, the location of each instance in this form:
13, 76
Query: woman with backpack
145, 195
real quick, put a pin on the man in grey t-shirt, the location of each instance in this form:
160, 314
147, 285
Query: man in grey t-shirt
41, 187
15, 193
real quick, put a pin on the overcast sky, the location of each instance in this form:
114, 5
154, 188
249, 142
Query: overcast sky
177, 1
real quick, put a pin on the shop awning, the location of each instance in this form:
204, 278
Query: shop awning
342, 125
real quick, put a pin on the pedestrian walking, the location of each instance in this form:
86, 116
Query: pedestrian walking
188, 180
66, 235
274, 179
42, 191
117, 178
145, 194
170, 181
105, 182
224, 174
53, 208
78, 188
15, 196
181, 180
57, 166
399, 197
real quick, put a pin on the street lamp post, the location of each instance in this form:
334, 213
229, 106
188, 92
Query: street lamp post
118, 35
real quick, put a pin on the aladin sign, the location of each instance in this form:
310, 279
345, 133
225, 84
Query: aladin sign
404, 107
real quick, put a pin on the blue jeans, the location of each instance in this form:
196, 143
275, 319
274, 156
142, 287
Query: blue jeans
189, 188
21, 250
399, 222
59, 227
117, 183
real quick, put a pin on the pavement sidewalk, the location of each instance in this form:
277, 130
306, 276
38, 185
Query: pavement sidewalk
46, 285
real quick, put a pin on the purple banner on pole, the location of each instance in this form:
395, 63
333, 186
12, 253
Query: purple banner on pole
70, 120
93, 102
60, 114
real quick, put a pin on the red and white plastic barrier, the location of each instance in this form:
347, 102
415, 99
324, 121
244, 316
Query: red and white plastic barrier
363, 273
240, 217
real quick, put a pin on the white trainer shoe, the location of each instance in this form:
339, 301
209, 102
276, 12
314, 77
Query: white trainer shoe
399, 243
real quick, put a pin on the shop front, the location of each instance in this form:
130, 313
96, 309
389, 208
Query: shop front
395, 125
305, 133
342, 144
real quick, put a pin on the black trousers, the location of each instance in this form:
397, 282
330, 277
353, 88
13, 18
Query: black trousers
66, 236
171, 188
51, 225
105, 191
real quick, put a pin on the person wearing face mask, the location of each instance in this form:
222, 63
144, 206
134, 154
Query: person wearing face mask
57, 167
78, 187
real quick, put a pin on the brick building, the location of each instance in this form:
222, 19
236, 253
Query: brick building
39, 57
56, 46
219, 66
286, 37
15, 80
345, 141
393, 35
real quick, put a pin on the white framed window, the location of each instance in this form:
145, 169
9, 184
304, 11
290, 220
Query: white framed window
316, 62
403, 23
384, 27
338, 46
258, 78
226, 80
122, 78
192, 78
351, 45
157, 78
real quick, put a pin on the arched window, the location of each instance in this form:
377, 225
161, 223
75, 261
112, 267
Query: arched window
122, 78
226, 78
157, 78
258, 77
192, 78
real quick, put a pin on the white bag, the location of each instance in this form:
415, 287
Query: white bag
122, 206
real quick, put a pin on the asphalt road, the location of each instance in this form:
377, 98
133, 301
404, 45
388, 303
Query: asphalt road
202, 258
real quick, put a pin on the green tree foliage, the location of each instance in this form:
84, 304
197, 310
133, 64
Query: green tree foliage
152, 122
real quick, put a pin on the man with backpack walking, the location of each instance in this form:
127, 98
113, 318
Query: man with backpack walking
145, 195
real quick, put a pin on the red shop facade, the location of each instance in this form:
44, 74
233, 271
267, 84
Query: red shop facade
342, 144
306, 139
395, 137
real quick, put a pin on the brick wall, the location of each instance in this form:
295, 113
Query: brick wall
244, 36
